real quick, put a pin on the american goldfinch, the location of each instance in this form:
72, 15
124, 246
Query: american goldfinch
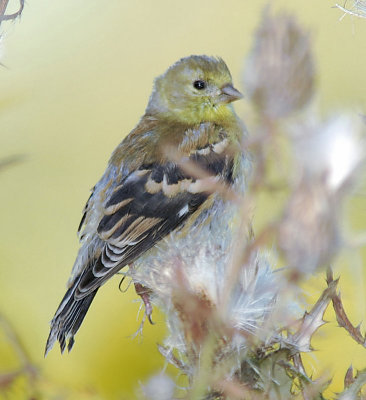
146, 194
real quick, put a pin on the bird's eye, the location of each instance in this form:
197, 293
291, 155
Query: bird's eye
199, 85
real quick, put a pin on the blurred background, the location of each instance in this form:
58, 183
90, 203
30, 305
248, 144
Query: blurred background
75, 79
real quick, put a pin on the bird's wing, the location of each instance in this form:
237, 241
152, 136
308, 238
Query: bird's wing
150, 203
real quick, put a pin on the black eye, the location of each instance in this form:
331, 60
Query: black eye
199, 85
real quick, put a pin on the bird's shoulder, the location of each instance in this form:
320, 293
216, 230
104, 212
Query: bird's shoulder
153, 139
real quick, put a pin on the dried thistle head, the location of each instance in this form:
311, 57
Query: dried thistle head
327, 158
308, 234
188, 284
279, 73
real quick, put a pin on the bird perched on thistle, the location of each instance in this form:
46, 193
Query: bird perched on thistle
158, 182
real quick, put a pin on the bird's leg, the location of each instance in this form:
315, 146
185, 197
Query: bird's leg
144, 293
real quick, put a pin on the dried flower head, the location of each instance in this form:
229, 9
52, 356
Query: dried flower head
188, 284
279, 73
308, 233
327, 157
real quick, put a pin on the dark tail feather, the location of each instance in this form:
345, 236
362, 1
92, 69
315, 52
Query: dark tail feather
68, 318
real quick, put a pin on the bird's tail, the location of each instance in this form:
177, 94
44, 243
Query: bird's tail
68, 318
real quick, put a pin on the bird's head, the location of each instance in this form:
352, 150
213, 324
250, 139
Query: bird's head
195, 89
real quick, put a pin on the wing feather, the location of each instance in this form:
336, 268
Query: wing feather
150, 203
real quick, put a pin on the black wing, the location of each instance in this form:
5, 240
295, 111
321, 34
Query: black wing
149, 204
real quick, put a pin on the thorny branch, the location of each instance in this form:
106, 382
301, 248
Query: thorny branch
341, 315
314, 319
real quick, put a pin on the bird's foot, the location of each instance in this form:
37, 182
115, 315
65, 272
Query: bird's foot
144, 293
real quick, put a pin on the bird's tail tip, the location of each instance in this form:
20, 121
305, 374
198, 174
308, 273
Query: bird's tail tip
67, 320
57, 334
50, 342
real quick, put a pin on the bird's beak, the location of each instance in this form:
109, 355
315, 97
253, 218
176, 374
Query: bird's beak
229, 94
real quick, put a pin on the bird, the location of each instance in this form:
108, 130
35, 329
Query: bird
156, 182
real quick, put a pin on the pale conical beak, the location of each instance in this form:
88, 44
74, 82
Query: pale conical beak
229, 94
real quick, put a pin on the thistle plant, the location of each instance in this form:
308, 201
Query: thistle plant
237, 323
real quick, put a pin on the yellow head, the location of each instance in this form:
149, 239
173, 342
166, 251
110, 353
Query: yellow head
195, 89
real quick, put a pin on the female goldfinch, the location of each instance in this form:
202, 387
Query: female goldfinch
156, 181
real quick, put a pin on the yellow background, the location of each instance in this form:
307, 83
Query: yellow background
77, 77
